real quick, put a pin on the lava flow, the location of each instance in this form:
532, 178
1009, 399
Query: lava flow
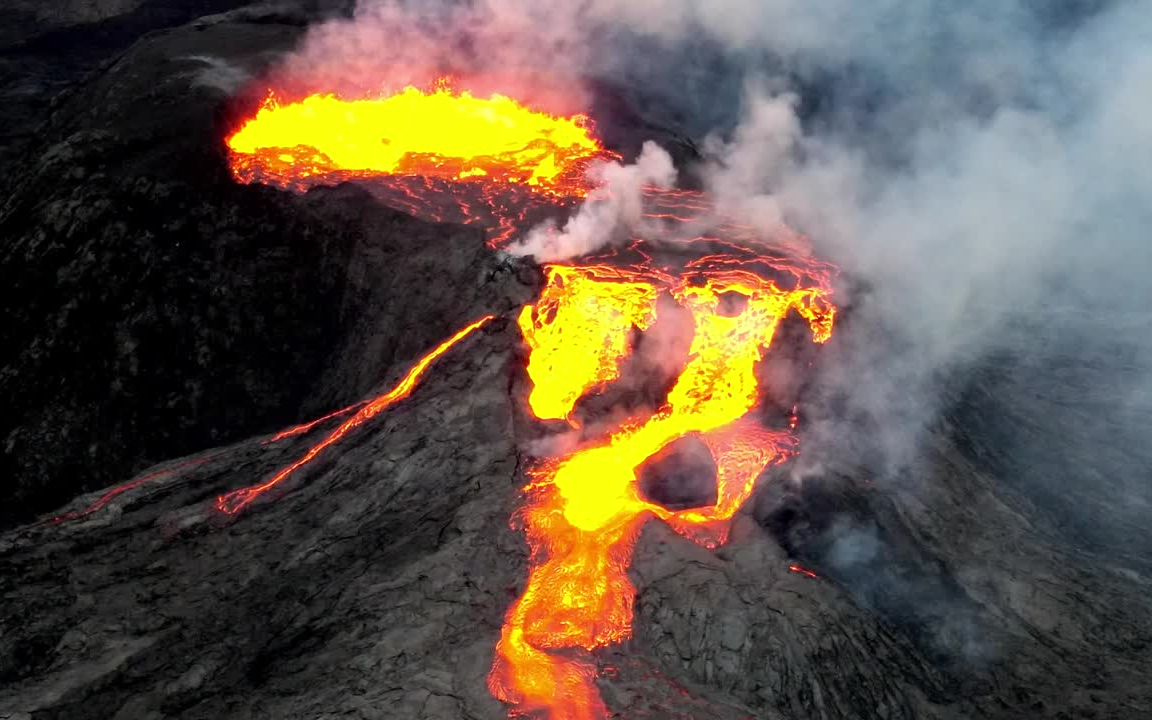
496, 158
582, 513
111, 494
235, 501
498, 162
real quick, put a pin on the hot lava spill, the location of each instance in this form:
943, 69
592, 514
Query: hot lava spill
235, 501
111, 494
582, 512
494, 157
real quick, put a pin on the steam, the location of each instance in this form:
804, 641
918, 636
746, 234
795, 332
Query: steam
616, 206
741, 170
218, 74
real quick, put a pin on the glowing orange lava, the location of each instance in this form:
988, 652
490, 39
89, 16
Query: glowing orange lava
421, 146
803, 571
112, 493
237, 500
303, 428
448, 156
582, 512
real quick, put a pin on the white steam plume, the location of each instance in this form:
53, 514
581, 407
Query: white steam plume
615, 207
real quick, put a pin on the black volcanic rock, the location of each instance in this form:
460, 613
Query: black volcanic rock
682, 475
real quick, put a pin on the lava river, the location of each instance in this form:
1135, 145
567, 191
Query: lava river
580, 513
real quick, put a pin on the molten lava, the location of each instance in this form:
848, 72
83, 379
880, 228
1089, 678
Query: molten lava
235, 501
304, 428
583, 512
803, 571
493, 155
112, 493
447, 155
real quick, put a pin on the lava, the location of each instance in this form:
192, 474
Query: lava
803, 571
111, 494
582, 513
235, 501
446, 155
303, 428
594, 301
494, 157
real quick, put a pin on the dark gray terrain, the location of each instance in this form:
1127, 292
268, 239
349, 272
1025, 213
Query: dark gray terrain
157, 312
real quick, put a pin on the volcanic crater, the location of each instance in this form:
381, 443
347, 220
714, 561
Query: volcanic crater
184, 331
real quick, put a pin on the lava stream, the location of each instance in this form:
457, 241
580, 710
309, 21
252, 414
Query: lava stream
449, 156
111, 494
303, 428
235, 501
582, 513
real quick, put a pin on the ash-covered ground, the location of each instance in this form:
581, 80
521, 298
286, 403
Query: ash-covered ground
984, 554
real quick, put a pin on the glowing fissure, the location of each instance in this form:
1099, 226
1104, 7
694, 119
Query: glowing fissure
303, 428
582, 513
235, 501
803, 571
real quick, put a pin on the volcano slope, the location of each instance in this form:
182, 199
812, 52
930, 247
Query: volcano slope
374, 583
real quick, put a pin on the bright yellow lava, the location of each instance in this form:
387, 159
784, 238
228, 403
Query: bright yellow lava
441, 133
583, 512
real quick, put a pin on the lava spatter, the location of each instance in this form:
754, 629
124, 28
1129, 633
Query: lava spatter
582, 512
235, 501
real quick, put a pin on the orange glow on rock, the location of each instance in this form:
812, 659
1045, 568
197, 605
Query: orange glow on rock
582, 512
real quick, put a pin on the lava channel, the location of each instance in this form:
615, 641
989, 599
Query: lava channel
445, 155
583, 512
235, 501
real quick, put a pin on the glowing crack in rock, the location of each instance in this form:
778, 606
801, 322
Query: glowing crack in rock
235, 501
803, 571
304, 428
582, 512
112, 493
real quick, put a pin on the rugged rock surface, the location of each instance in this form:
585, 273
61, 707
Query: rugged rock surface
375, 583
148, 293
162, 310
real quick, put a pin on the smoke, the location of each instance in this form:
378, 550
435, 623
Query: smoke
526, 50
614, 208
740, 170
218, 74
